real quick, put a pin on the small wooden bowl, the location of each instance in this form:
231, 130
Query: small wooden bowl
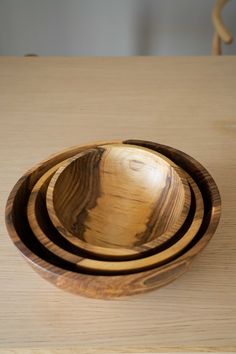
48, 236
118, 200
65, 276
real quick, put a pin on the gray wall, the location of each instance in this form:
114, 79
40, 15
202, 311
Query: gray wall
110, 27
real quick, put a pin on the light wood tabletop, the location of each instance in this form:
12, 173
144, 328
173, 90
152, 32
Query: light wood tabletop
47, 104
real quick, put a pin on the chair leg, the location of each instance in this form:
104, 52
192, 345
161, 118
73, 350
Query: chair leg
216, 44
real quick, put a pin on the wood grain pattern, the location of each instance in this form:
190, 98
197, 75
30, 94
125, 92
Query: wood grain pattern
51, 239
189, 102
118, 200
113, 286
120, 350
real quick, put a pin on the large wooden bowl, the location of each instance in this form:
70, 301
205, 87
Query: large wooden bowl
118, 200
63, 275
47, 235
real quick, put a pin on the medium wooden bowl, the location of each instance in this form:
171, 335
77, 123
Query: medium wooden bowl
53, 241
118, 200
66, 276
45, 232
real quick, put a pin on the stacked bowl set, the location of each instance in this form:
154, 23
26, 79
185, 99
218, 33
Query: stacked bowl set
111, 218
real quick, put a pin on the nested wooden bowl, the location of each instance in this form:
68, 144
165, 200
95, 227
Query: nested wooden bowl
66, 275
52, 240
118, 200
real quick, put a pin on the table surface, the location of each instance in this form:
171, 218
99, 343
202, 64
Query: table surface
48, 104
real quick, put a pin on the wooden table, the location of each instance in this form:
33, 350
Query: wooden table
47, 104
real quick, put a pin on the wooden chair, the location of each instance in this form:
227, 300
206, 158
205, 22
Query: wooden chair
221, 32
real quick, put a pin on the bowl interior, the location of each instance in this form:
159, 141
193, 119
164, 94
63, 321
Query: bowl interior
116, 196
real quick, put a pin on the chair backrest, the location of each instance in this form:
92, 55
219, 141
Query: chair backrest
221, 32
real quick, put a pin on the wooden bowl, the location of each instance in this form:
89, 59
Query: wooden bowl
66, 276
53, 241
118, 200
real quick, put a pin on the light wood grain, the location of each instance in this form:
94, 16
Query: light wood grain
47, 104
121, 350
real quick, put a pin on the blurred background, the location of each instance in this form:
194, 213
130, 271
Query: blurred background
110, 27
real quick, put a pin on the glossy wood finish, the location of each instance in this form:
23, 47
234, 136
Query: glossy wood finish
118, 200
52, 240
63, 275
